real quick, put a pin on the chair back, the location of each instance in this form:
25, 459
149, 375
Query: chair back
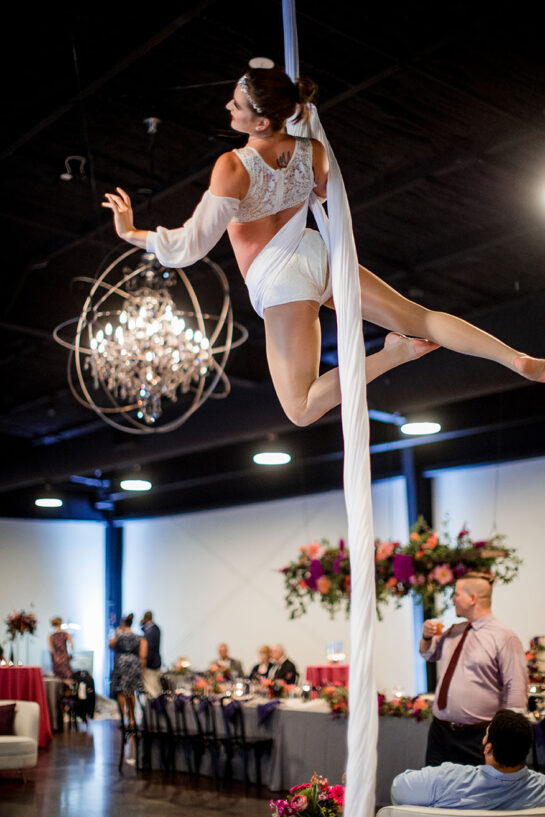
233, 719
181, 703
205, 719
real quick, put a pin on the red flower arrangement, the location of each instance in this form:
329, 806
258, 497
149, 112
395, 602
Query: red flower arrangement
336, 696
314, 799
21, 622
425, 567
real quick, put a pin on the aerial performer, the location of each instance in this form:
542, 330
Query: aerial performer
260, 195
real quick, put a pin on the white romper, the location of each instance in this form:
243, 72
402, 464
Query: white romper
293, 266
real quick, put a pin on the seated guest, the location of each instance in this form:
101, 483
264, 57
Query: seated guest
264, 668
230, 665
504, 782
285, 669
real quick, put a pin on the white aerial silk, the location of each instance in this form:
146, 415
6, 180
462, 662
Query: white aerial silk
363, 719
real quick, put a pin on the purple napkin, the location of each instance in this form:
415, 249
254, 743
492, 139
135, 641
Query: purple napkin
265, 710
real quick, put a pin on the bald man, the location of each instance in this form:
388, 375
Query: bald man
489, 673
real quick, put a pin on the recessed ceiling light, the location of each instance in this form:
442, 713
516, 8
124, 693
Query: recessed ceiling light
48, 502
135, 484
420, 428
272, 458
261, 62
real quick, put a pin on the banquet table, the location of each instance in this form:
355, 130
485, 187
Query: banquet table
306, 739
321, 674
27, 684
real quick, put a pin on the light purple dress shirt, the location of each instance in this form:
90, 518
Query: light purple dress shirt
491, 672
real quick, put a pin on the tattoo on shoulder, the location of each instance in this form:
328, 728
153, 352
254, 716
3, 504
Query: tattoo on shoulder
284, 159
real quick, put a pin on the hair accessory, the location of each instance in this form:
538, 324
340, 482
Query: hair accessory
243, 85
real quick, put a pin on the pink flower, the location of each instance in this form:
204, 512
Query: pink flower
282, 807
384, 550
442, 574
337, 793
299, 803
323, 584
295, 789
314, 550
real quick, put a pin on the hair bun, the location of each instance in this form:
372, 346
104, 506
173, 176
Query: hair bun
307, 89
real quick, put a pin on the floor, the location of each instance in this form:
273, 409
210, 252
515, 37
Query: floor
78, 777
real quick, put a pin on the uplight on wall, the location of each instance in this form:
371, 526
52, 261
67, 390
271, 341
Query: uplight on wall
272, 458
135, 484
48, 502
421, 428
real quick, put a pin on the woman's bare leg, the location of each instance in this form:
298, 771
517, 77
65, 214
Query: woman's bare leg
293, 341
385, 307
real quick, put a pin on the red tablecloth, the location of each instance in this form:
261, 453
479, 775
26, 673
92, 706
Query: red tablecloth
321, 674
27, 684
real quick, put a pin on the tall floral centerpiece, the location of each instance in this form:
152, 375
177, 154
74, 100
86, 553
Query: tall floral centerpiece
427, 568
18, 625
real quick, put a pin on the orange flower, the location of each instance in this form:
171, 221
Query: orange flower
323, 584
391, 582
347, 585
414, 537
302, 583
432, 541
419, 554
329, 690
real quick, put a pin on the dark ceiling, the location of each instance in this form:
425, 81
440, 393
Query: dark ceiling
436, 113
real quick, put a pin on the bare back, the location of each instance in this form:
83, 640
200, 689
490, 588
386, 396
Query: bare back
230, 177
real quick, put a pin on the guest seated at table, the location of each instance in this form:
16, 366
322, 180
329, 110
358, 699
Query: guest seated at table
504, 782
130, 653
264, 668
231, 666
285, 670
58, 641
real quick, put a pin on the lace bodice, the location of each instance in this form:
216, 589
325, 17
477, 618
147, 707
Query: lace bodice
274, 190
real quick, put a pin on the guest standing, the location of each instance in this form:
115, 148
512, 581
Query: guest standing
285, 669
58, 641
130, 652
264, 668
483, 670
152, 670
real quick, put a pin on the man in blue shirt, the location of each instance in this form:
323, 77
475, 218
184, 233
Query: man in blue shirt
504, 782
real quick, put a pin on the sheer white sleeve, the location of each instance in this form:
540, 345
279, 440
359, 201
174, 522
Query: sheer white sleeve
185, 245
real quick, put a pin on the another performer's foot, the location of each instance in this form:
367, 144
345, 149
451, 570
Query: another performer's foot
533, 368
408, 348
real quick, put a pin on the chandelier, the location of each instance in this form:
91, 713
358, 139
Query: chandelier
140, 351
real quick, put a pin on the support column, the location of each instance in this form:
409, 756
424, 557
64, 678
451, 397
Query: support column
418, 504
113, 589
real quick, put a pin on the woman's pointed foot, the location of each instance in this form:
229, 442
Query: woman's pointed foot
408, 348
533, 368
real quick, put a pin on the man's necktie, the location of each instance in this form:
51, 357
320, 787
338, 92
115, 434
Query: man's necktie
443, 692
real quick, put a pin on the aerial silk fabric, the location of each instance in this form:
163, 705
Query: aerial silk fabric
339, 238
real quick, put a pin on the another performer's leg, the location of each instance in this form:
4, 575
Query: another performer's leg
293, 340
384, 306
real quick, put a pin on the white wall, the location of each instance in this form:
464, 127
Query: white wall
513, 494
54, 568
213, 576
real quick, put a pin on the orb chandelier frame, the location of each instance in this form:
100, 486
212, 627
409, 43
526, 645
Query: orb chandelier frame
157, 352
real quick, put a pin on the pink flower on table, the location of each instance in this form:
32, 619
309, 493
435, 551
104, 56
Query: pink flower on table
337, 793
442, 574
299, 803
323, 585
282, 807
384, 550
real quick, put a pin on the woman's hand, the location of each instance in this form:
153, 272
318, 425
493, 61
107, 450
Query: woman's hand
120, 205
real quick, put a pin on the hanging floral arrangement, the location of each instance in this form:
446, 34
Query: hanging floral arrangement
427, 568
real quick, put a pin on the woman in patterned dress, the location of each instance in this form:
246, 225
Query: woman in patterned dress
59, 652
130, 652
